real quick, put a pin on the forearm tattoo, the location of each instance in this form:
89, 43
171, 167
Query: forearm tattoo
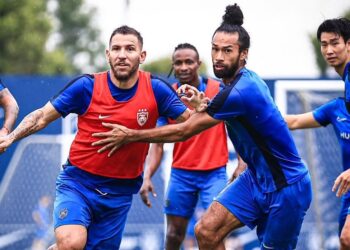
29, 125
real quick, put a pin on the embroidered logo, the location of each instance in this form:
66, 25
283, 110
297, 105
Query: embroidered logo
341, 119
103, 116
142, 116
63, 213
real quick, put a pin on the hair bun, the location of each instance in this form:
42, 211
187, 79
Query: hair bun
233, 15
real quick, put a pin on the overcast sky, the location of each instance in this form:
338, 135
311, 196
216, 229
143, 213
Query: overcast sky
279, 29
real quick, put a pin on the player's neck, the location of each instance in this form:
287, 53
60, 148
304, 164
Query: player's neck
340, 68
194, 83
125, 84
228, 81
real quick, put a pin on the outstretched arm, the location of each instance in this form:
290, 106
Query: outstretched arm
119, 135
9, 104
155, 157
300, 121
30, 124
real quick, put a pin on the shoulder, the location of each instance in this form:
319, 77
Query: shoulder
334, 103
78, 84
212, 81
160, 83
84, 80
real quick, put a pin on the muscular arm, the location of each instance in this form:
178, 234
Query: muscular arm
155, 157
301, 121
9, 104
119, 135
177, 132
30, 124
184, 116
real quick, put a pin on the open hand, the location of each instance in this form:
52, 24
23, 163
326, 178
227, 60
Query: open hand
5, 142
113, 139
342, 183
147, 187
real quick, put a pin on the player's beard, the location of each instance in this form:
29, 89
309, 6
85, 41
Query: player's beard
125, 75
228, 72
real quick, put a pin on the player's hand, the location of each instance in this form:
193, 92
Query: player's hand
147, 187
113, 139
193, 97
4, 132
5, 142
342, 183
241, 167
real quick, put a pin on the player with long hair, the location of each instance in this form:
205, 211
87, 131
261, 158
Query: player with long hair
274, 193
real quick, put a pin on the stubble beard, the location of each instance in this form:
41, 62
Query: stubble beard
125, 75
227, 72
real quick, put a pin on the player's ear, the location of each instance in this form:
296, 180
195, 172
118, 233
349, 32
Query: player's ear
143, 56
107, 54
348, 45
244, 55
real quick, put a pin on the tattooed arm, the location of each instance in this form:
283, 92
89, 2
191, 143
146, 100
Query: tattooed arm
9, 104
30, 124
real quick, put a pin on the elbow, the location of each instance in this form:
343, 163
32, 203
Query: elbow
16, 109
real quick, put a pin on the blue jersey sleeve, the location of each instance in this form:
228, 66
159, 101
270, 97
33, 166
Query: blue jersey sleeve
169, 104
226, 104
162, 121
75, 97
346, 79
323, 113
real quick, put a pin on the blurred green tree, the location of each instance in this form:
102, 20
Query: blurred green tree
24, 29
78, 36
49, 37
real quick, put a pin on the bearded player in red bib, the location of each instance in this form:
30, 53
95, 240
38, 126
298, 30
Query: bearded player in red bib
94, 191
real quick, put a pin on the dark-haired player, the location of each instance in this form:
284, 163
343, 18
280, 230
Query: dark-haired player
334, 38
274, 192
94, 191
9, 104
199, 164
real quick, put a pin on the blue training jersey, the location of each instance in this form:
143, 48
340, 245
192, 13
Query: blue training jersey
346, 79
258, 131
334, 112
76, 98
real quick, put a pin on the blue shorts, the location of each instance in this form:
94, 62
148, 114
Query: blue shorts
104, 215
185, 187
277, 215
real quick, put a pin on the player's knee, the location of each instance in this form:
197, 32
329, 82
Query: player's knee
204, 234
175, 235
345, 241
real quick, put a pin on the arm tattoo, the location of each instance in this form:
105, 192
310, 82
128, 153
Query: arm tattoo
29, 125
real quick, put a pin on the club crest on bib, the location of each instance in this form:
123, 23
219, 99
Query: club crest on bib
142, 116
